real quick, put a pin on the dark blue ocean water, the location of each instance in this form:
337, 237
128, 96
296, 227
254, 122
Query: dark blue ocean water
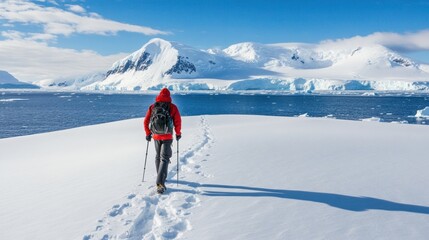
23, 113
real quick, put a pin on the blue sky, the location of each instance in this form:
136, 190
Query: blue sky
110, 29
220, 23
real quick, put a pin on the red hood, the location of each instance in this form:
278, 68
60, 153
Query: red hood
164, 96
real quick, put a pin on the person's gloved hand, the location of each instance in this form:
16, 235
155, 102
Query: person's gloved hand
149, 137
178, 137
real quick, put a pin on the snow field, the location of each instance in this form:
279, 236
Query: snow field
304, 178
241, 177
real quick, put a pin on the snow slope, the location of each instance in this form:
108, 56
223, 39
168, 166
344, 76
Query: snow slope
303, 178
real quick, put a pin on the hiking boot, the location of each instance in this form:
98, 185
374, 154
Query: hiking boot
160, 189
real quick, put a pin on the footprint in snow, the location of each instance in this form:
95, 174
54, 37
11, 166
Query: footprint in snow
118, 210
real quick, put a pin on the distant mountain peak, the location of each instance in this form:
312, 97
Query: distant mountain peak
7, 78
155, 45
9, 81
246, 51
163, 53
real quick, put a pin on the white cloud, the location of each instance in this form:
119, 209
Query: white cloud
12, 34
72, 21
41, 37
76, 8
30, 60
16, 35
94, 15
58, 28
49, 1
28, 55
408, 42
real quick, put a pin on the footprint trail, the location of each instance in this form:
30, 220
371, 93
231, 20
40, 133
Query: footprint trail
143, 214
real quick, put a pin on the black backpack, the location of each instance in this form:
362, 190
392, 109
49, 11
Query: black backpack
160, 119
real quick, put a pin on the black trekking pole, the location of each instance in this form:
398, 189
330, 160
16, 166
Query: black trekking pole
177, 162
145, 159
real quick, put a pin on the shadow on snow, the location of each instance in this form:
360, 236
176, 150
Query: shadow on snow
350, 203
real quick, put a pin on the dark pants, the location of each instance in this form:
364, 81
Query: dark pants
162, 159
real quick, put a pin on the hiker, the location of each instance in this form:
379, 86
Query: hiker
160, 119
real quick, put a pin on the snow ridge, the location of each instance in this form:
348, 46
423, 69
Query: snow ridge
143, 214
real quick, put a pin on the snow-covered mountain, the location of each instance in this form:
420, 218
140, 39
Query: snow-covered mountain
72, 83
267, 56
159, 61
329, 61
9, 81
252, 66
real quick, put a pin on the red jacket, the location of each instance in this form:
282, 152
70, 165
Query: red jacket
164, 96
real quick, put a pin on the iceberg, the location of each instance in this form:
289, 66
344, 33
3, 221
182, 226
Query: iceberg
423, 113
